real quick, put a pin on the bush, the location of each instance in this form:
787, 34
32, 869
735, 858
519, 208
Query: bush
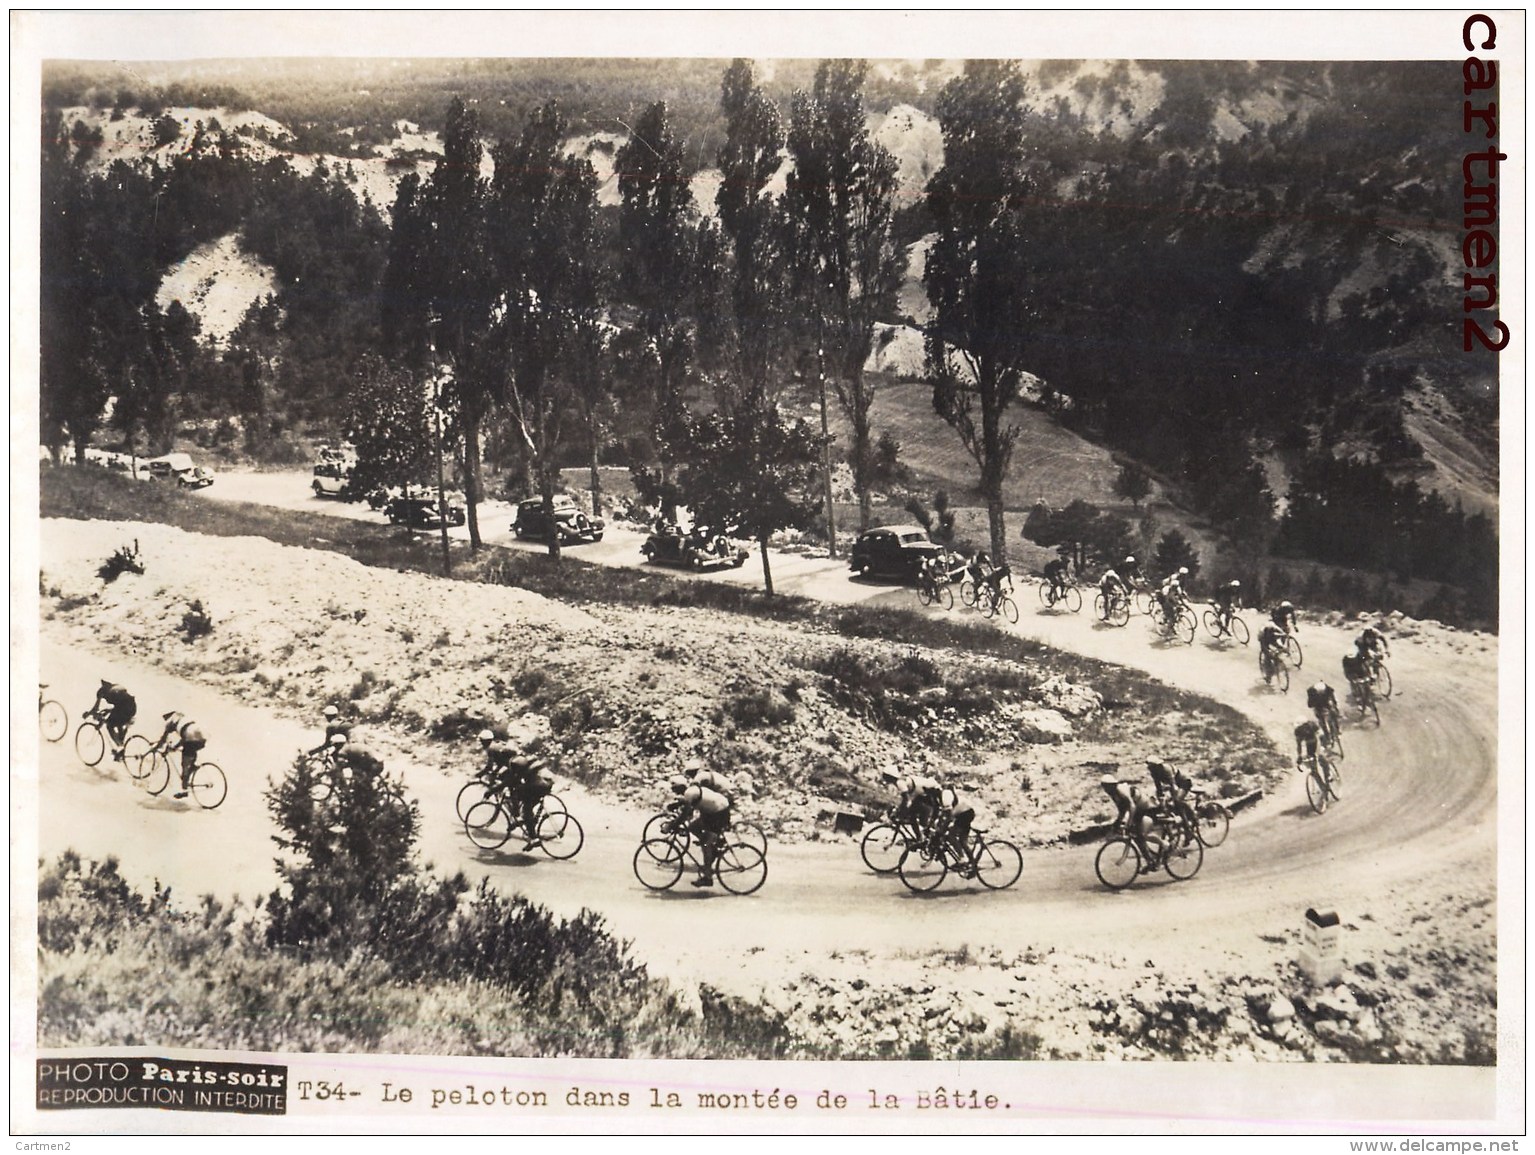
758, 708
125, 559
195, 623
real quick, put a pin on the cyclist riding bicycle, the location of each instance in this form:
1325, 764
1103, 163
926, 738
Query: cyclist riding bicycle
1285, 617
1228, 600
333, 727
1135, 815
710, 819
1307, 737
1057, 573
1323, 702
1132, 569
1171, 596
1270, 646
956, 818
994, 580
120, 709
1173, 788
181, 733
523, 780
355, 758
700, 774
1357, 670
1113, 589
1371, 646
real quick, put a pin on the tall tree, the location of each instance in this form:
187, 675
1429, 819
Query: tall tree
542, 215
977, 275
657, 228
845, 261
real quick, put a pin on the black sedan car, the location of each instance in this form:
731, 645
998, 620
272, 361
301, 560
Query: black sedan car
694, 550
419, 512
570, 520
892, 551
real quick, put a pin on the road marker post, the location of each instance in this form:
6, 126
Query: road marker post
1321, 954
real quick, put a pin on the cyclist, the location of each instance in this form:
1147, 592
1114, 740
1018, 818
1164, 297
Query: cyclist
1113, 588
1057, 574
1371, 646
1132, 569
710, 819
1270, 646
1171, 596
957, 816
521, 779
1228, 600
1307, 736
181, 733
1356, 668
1134, 817
1323, 702
1285, 617
994, 579
711, 779
1173, 788
333, 726
920, 796
120, 710
355, 757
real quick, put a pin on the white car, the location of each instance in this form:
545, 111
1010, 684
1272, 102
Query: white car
176, 467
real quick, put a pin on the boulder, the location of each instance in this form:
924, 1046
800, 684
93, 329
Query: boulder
1042, 727
1068, 698
1280, 1009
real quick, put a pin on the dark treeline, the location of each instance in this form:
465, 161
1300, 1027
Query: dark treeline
1200, 297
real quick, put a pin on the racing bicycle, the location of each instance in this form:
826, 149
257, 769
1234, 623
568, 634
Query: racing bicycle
1068, 595
1123, 858
207, 786
52, 718
1114, 610
1220, 625
1322, 779
659, 863
557, 833
995, 863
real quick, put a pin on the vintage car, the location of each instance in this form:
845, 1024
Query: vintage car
892, 551
333, 479
177, 467
570, 520
421, 510
697, 549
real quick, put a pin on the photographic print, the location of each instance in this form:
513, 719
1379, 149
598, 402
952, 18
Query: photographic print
653, 573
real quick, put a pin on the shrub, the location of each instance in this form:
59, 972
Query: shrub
196, 623
125, 559
758, 708
457, 725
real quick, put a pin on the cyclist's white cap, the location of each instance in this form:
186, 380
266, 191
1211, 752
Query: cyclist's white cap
487, 736
1183, 571
330, 711
1286, 606
338, 739
1129, 558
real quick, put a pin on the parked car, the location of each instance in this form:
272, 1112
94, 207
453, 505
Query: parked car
892, 550
333, 479
423, 511
177, 467
570, 520
697, 550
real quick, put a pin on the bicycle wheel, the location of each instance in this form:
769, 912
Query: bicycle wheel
1239, 630
1008, 609
946, 596
921, 873
89, 743
553, 804
136, 756
208, 787
1212, 623
1119, 613
751, 834
1333, 774
741, 869
1141, 602
159, 774
1316, 791
470, 795
986, 602
1047, 595
1214, 823
1185, 855
1073, 599
560, 835
1118, 863
1184, 627
52, 720
998, 864
488, 825
882, 849
658, 867
926, 594
1367, 706
1382, 681
1292, 647
967, 592
656, 827
1282, 677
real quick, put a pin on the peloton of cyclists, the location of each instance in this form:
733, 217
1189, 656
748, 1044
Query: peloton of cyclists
120, 711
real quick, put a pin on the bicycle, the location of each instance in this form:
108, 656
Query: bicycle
1322, 779
930, 590
556, 832
1220, 625
992, 599
1124, 857
479, 789
1275, 668
91, 742
1179, 626
1115, 611
1380, 677
1141, 599
1212, 819
1293, 650
994, 863
661, 826
1051, 596
659, 863
886, 843
1364, 698
52, 718
1328, 723
207, 785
